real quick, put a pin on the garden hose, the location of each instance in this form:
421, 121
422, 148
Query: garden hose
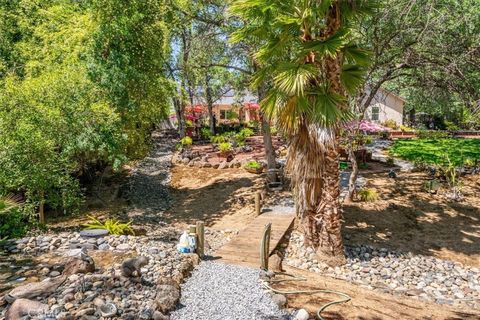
264, 253
345, 297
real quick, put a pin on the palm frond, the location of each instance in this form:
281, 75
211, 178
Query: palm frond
326, 108
330, 46
355, 54
352, 77
293, 78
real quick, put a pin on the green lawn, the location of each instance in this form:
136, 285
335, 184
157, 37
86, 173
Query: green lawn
436, 151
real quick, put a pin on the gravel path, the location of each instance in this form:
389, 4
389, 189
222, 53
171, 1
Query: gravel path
222, 292
148, 187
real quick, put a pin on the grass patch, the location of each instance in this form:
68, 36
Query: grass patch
436, 151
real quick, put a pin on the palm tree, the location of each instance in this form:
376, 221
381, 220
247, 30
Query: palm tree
308, 54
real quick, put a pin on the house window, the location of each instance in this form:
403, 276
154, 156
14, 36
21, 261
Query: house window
375, 113
223, 114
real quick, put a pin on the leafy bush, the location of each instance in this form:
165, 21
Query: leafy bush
469, 162
217, 139
246, 132
225, 147
113, 226
186, 141
406, 128
13, 222
205, 133
432, 134
253, 165
368, 195
367, 139
451, 126
390, 123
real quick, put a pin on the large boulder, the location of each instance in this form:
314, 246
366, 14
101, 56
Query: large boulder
25, 307
168, 294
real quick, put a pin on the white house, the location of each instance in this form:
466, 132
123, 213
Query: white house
385, 106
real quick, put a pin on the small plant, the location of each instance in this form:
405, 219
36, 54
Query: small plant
12, 220
253, 165
363, 165
368, 140
469, 162
246, 132
431, 186
189, 123
390, 123
368, 195
113, 226
406, 128
273, 131
225, 147
186, 142
205, 133
217, 139
390, 162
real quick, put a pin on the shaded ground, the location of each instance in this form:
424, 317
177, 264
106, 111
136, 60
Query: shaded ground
365, 304
224, 199
409, 219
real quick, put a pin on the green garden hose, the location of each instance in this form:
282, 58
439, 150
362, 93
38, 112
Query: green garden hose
264, 253
346, 297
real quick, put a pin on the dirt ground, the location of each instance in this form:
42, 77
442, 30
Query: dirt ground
406, 218
224, 199
365, 304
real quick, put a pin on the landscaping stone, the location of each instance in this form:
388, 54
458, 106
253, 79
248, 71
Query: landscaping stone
422, 277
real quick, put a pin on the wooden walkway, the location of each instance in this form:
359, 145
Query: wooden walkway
244, 249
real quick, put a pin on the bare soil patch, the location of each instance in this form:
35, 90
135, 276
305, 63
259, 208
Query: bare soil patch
406, 218
224, 199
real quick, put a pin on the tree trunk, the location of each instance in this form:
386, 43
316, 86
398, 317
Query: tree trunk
354, 175
313, 163
209, 98
267, 141
180, 116
41, 208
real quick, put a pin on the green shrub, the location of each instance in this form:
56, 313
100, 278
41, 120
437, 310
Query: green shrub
113, 226
390, 123
246, 132
432, 134
217, 139
186, 141
367, 139
469, 162
13, 222
253, 165
368, 195
205, 133
225, 146
273, 131
189, 123
451, 126
406, 128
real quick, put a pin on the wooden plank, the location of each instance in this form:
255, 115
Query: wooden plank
244, 248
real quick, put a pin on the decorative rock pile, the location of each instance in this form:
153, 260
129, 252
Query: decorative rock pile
195, 160
424, 277
105, 292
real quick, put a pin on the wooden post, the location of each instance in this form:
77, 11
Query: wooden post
200, 239
258, 206
41, 209
265, 246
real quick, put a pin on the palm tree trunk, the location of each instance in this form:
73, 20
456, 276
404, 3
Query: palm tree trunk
313, 164
267, 140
